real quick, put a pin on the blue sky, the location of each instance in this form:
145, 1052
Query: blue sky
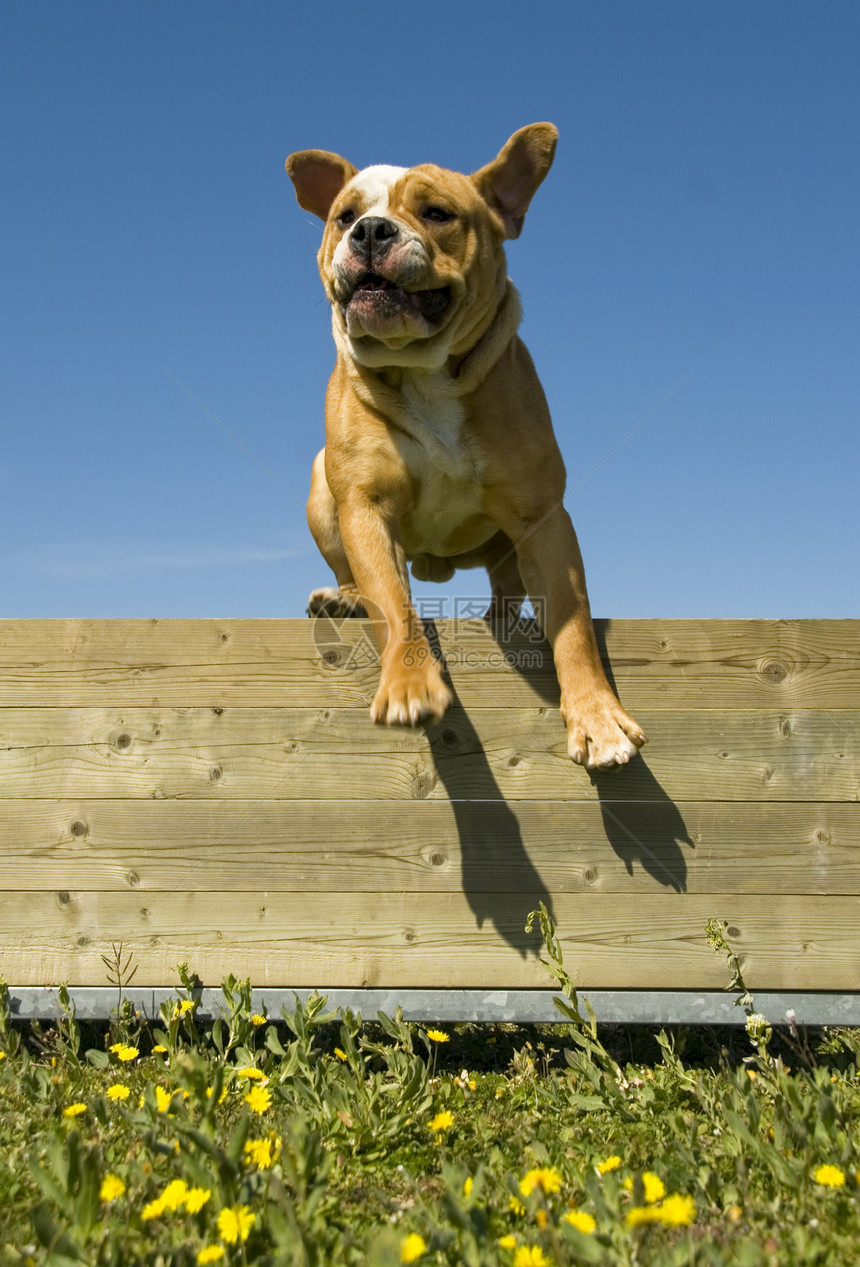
700, 224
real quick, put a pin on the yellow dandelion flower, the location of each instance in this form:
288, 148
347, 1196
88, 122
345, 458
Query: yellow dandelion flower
642, 1214
252, 1073
340, 1053
257, 1020
196, 1198
173, 1196
259, 1151
412, 1248
2, 1055
210, 1254
438, 1036
442, 1121
124, 1051
468, 1184
222, 1097
235, 1223
677, 1210
159, 1049
507, 1242
118, 1091
653, 1187
541, 1218
258, 1099
829, 1176
579, 1219
547, 1179
611, 1163
74, 1110
530, 1256
112, 1187
516, 1206
162, 1099
152, 1210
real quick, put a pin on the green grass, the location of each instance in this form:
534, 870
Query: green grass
376, 1144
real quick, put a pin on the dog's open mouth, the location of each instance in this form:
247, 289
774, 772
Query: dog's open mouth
384, 299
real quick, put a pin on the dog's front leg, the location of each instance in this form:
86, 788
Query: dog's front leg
410, 683
600, 733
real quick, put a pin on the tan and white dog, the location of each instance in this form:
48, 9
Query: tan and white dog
440, 451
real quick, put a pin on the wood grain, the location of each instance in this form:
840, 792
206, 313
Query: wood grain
542, 847
486, 754
427, 940
214, 792
656, 664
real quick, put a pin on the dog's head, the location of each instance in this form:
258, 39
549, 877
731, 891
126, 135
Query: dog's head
412, 259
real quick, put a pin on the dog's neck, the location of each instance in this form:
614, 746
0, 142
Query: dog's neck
461, 374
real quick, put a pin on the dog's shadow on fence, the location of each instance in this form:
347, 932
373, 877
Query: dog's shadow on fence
491, 839
636, 808
641, 822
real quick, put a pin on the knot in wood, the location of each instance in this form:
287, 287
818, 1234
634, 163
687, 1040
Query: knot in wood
78, 828
774, 671
422, 785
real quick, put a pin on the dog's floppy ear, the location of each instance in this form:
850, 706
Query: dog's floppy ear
318, 178
509, 183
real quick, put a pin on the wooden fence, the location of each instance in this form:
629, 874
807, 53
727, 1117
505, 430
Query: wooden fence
214, 792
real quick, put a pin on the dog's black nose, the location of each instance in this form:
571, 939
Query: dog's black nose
371, 236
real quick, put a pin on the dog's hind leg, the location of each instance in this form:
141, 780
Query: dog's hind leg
508, 591
344, 600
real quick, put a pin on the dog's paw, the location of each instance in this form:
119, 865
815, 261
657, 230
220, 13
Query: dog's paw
600, 735
336, 603
410, 693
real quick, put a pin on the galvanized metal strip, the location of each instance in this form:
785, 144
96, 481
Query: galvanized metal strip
629, 1007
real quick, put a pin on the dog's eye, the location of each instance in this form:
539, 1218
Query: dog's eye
437, 215
346, 217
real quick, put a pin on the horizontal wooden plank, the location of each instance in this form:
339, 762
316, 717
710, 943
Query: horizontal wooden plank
428, 940
536, 847
519, 754
656, 664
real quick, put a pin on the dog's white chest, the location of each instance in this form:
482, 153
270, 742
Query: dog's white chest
444, 466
